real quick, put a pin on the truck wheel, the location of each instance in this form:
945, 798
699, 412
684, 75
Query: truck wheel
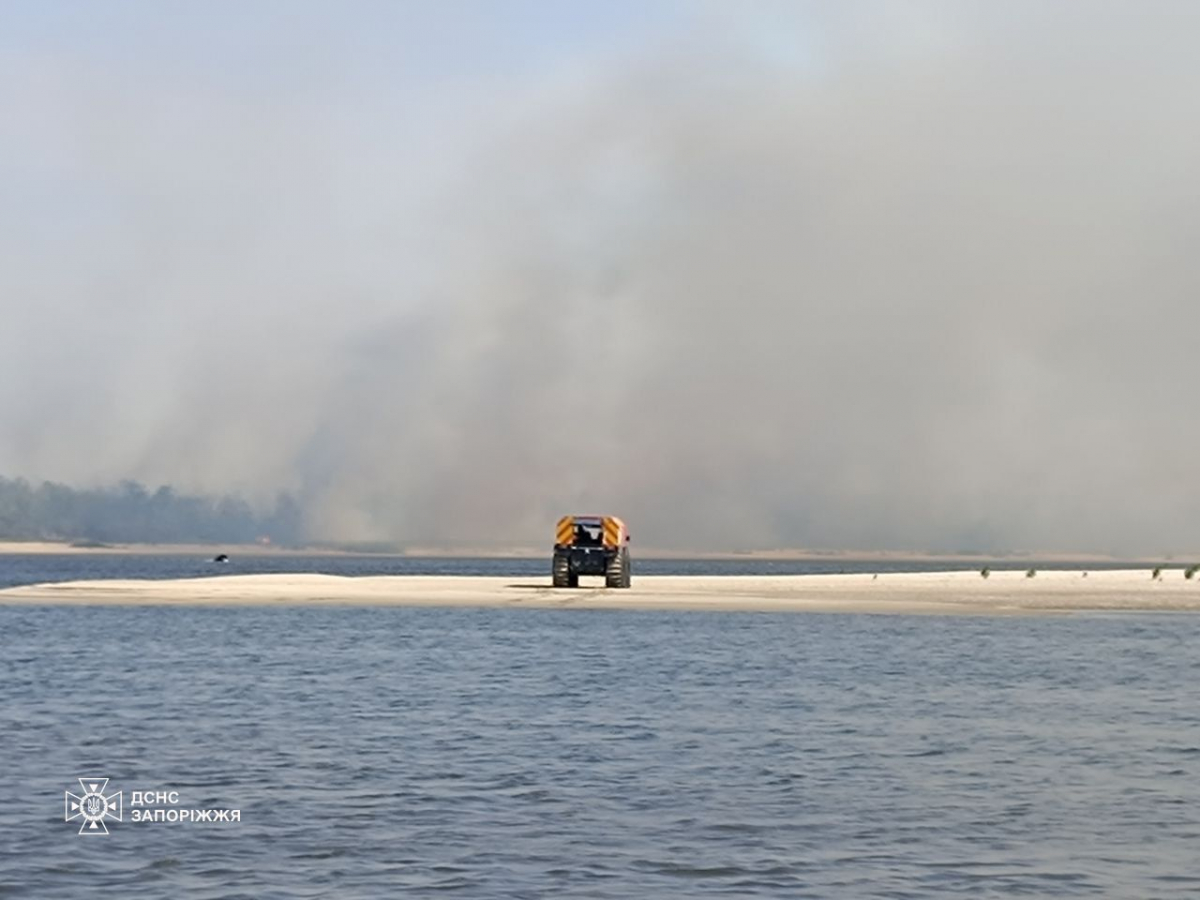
560, 571
626, 568
616, 573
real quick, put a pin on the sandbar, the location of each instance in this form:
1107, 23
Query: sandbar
963, 592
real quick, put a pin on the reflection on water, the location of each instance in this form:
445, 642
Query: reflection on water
526, 753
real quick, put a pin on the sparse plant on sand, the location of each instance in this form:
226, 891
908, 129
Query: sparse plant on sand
1031, 573
985, 572
1156, 575
1189, 572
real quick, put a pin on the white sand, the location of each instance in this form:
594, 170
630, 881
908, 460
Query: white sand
952, 592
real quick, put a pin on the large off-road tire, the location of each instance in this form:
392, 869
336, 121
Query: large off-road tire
616, 575
560, 571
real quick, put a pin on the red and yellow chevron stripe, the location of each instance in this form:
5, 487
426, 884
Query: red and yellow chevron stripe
564, 534
612, 531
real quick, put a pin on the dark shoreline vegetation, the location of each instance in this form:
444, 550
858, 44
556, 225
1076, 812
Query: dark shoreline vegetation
131, 513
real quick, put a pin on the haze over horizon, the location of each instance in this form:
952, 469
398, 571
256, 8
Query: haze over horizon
856, 275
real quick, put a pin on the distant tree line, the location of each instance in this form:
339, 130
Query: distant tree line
130, 513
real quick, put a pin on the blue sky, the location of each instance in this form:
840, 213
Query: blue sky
389, 43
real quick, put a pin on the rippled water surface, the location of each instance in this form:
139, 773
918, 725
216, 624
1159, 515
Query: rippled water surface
545, 753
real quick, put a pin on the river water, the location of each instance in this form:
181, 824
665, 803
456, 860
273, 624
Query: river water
379, 752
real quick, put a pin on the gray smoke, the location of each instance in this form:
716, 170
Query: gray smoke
863, 276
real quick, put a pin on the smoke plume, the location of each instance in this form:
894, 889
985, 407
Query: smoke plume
856, 275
